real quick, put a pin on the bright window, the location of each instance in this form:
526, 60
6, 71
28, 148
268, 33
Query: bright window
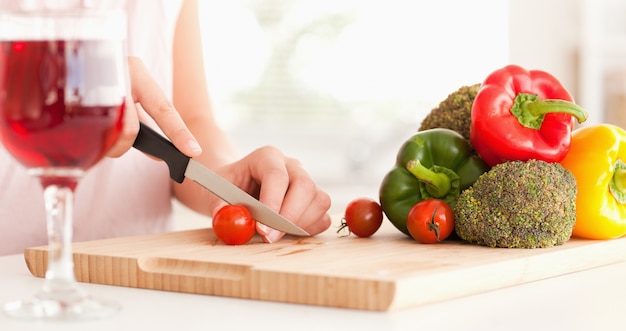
341, 84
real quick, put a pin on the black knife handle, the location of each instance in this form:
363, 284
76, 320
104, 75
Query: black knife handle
151, 142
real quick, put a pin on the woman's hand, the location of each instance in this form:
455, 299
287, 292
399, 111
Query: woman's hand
284, 186
147, 97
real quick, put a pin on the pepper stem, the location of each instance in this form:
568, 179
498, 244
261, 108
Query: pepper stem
530, 110
617, 186
437, 184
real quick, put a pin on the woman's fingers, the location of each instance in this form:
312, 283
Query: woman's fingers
288, 189
146, 95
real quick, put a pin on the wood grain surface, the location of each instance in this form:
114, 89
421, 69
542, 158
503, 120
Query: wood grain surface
388, 271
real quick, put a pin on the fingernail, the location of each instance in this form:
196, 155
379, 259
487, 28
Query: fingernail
262, 229
272, 236
194, 147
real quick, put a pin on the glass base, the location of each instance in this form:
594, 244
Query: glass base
44, 308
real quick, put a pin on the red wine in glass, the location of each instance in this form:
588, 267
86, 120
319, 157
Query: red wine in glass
61, 109
46, 122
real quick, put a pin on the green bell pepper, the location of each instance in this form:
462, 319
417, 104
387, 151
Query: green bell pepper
436, 163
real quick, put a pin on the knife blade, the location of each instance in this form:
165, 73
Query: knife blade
181, 166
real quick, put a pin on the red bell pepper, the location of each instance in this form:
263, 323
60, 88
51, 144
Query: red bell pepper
521, 114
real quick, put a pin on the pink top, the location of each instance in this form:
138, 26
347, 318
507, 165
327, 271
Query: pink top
118, 197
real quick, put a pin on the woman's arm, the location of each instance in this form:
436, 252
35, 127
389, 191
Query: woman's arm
191, 99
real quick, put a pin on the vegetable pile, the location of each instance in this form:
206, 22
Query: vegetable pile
501, 164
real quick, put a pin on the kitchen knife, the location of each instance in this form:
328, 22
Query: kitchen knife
181, 166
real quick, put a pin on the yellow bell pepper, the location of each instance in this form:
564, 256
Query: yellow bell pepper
596, 158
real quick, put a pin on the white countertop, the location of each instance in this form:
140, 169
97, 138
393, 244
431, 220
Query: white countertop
594, 299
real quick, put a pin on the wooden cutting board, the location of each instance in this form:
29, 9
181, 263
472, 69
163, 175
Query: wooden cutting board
388, 271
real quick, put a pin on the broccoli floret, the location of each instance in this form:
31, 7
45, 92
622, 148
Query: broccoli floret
454, 112
518, 205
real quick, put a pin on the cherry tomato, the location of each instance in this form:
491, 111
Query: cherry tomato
430, 221
363, 217
234, 225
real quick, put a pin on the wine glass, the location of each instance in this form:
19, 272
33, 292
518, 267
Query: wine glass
62, 86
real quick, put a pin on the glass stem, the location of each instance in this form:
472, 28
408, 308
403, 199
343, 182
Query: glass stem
59, 201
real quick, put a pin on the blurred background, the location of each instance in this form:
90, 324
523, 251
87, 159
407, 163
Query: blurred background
341, 85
